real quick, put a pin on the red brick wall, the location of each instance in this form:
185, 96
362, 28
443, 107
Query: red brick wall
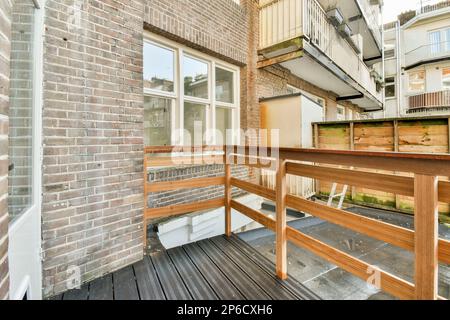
5, 50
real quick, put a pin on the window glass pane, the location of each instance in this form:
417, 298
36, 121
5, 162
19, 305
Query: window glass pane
434, 39
446, 79
417, 81
195, 74
21, 109
194, 123
158, 68
224, 122
447, 39
157, 125
224, 86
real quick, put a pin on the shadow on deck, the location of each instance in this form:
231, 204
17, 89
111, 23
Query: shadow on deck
220, 268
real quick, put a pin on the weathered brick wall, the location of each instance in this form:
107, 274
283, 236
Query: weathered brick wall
93, 139
5, 49
216, 27
20, 111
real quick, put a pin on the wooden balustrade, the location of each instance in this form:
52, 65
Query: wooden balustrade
430, 100
425, 187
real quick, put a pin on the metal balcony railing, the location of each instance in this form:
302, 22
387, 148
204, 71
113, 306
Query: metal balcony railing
428, 100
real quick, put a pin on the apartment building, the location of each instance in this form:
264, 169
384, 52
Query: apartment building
86, 85
417, 62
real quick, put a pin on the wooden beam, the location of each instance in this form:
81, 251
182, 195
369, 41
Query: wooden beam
267, 222
426, 221
144, 227
228, 198
254, 188
253, 162
280, 59
184, 208
376, 181
185, 160
295, 43
387, 282
185, 184
281, 240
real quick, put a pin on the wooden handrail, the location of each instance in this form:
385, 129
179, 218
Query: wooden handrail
425, 188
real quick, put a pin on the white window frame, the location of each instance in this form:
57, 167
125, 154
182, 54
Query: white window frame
444, 43
392, 84
424, 81
178, 96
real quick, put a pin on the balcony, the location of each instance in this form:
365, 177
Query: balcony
298, 35
429, 53
430, 101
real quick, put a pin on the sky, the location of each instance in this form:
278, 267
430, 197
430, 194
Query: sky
392, 8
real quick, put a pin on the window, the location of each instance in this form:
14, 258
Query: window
389, 54
416, 81
434, 40
390, 87
446, 79
340, 113
190, 98
439, 41
159, 68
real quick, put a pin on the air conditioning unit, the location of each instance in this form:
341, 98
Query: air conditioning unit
336, 17
345, 31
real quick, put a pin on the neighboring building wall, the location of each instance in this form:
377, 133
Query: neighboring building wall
274, 81
5, 48
93, 139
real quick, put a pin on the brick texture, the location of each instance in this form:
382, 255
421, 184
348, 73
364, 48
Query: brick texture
218, 28
93, 139
5, 51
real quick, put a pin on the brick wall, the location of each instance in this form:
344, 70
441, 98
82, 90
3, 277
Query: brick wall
93, 139
218, 28
5, 48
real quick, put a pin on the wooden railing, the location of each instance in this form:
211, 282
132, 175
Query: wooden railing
430, 100
425, 187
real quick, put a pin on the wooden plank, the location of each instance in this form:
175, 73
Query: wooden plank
254, 215
254, 188
145, 222
184, 208
171, 282
228, 198
147, 281
375, 181
185, 160
272, 287
253, 162
395, 235
244, 283
125, 285
185, 184
102, 289
221, 285
388, 283
182, 149
78, 294
280, 59
260, 260
281, 241
426, 221
196, 284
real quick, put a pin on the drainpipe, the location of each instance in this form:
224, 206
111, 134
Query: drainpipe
383, 71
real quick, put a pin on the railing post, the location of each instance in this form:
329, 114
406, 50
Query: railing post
281, 238
426, 236
145, 203
228, 195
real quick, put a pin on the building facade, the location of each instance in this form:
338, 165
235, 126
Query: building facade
111, 77
417, 62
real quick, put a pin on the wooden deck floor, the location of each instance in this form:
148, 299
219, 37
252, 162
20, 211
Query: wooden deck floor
215, 269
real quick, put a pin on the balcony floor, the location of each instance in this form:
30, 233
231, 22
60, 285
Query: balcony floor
215, 269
